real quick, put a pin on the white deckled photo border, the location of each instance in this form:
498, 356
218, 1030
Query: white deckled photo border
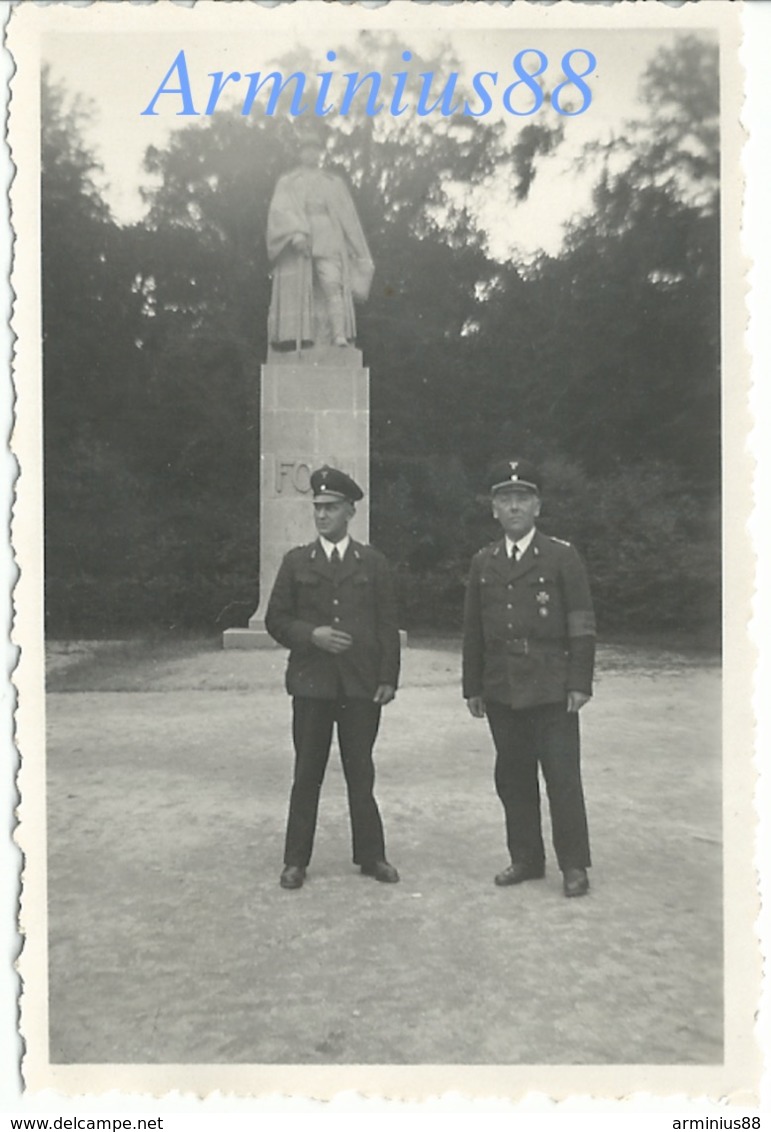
739, 1079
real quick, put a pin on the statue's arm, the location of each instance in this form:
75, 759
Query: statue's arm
286, 219
349, 221
361, 265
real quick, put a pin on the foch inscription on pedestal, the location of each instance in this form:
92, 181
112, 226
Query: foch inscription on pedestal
292, 474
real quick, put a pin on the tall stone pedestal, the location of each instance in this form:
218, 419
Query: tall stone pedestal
314, 411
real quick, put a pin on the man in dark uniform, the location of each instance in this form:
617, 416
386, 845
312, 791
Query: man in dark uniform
528, 661
333, 606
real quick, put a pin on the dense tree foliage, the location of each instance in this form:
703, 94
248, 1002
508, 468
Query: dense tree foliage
602, 362
95, 518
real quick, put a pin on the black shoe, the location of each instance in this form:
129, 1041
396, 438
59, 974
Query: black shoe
292, 876
382, 871
519, 871
575, 882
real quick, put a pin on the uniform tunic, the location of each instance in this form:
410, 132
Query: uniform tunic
335, 690
529, 628
529, 639
358, 599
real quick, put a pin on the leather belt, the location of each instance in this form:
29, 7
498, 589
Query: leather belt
522, 646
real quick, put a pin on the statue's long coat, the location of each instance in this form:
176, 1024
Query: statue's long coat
296, 308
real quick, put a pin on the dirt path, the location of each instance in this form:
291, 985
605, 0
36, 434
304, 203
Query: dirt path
170, 940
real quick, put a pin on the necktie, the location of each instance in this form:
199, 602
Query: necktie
335, 560
514, 552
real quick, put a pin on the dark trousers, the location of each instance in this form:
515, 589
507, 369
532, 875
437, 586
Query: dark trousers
357, 726
546, 734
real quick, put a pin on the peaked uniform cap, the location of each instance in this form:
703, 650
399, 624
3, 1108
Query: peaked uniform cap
330, 483
514, 473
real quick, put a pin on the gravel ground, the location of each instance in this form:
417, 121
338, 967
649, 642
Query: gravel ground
170, 940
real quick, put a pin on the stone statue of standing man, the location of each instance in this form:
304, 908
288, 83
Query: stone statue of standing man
319, 255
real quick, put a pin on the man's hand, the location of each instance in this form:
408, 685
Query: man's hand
576, 700
476, 706
384, 694
331, 640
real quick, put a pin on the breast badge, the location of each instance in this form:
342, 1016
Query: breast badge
543, 599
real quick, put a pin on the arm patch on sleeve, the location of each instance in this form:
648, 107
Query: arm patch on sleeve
581, 623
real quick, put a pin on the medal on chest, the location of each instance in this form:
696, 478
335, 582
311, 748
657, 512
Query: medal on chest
543, 598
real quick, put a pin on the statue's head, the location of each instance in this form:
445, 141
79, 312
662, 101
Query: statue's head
311, 141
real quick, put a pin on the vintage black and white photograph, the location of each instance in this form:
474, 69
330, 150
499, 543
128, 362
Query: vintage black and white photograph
385, 382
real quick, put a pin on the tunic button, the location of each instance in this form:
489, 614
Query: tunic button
335, 619
335, 601
511, 626
509, 606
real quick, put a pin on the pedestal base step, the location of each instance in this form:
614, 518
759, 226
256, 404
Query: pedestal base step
248, 639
